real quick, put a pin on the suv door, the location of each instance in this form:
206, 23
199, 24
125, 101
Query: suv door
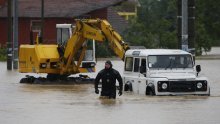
141, 79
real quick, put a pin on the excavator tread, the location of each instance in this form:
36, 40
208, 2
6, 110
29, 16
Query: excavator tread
67, 81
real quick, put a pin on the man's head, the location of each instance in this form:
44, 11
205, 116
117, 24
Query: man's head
108, 64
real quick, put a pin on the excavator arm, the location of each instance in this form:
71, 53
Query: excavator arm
96, 29
62, 61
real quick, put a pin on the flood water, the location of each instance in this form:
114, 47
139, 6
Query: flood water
78, 104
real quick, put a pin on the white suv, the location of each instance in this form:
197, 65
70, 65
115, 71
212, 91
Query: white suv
163, 72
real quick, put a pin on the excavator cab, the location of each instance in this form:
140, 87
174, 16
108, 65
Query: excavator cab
64, 33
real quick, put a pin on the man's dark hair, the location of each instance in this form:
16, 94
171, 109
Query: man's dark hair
109, 62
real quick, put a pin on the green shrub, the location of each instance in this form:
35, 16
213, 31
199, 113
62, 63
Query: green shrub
3, 54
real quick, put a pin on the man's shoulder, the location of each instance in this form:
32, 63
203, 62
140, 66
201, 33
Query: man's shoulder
102, 71
115, 71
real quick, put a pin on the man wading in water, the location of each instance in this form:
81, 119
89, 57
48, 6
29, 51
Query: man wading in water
108, 76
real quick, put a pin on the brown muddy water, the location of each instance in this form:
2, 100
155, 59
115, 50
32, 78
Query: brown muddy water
78, 104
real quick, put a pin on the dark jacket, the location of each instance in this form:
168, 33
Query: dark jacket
108, 77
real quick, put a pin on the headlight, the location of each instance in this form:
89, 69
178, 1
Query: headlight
43, 65
88, 64
164, 86
92, 64
199, 85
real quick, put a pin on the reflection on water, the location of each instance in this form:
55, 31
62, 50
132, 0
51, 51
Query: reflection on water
56, 104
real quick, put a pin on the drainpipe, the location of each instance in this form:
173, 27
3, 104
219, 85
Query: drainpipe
15, 34
9, 43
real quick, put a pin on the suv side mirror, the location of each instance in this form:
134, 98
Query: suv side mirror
198, 69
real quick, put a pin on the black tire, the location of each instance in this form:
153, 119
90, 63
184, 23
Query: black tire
150, 91
128, 87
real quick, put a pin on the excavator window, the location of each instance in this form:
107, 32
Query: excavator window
63, 35
89, 55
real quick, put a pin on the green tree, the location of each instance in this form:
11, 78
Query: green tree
3, 54
154, 26
103, 50
207, 13
203, 40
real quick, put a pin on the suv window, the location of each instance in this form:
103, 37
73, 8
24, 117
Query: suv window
143, 65
136, 64
170, 61
128, 63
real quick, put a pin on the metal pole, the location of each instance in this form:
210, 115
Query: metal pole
191, 26
184, 25
179, 23
9, 43
42, 21
15, 34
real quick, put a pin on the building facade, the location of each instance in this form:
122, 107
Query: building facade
55, 12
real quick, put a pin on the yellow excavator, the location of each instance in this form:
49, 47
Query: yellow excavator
65, 58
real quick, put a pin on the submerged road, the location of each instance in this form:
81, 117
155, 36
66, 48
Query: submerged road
78, 104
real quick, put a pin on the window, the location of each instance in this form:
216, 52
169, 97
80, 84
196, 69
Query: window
89, 53
136, 64
35, 25
143, 65
62, 35
59, 36
128, 64
170, 61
